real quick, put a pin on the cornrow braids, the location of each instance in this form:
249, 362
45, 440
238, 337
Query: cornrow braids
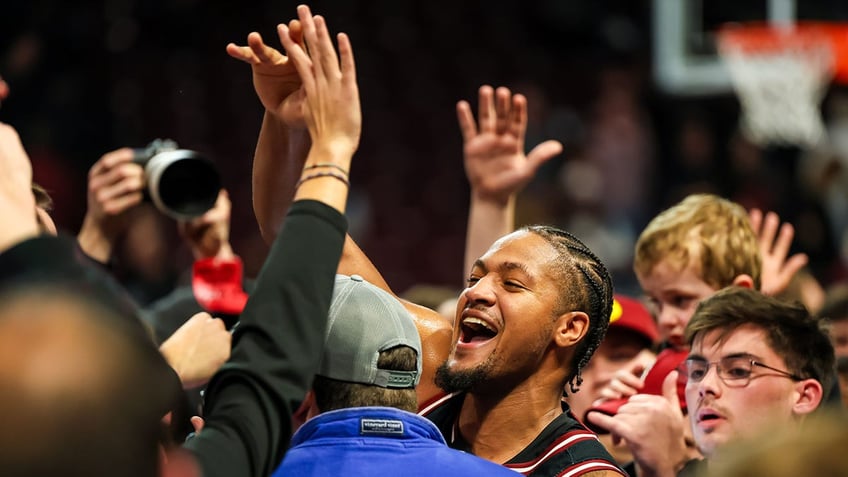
594, 299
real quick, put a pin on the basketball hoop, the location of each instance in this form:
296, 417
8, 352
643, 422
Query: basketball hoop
780, 73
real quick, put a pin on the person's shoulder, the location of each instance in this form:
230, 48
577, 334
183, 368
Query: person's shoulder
434, 328
436, 334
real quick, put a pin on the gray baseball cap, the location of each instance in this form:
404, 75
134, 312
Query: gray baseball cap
363, 321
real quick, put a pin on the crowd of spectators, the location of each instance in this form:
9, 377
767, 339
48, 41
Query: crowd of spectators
90, 77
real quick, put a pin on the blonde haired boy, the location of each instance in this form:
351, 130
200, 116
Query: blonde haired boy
686, 253
691, 250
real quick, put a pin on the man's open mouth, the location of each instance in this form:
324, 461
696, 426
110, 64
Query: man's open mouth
473, 330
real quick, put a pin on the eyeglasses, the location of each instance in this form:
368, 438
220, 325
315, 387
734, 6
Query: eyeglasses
734, 371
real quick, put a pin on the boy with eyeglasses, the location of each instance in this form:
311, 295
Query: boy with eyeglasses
754, 361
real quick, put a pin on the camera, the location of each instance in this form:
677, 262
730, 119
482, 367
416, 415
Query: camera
181, 183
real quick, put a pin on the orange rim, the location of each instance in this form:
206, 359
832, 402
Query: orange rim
767, 38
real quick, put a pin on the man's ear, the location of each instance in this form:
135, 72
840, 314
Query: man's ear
744, 281
809, 396
570, 328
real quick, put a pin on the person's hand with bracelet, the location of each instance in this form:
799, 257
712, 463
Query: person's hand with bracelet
332, 112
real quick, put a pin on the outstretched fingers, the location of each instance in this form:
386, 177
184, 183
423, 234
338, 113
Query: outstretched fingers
263, 52
775, 242
518, 117
502, 109
296, 31
256, 52
348, 64
296, 52
310, 37
783, 243
542, 153
328, 59
756, 218
328, 77
242, 53
466, 121
768, 232
486, 110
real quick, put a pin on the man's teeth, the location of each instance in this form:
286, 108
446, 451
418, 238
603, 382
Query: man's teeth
478, 323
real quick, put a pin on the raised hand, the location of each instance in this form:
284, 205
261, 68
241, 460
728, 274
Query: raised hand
333, 114
777, 270
275, 78
495, 163
208, 236
115, 185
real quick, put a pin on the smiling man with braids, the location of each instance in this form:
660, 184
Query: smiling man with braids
534, 312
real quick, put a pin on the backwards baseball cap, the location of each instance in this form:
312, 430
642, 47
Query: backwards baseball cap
364, 321
631, 315
667, 361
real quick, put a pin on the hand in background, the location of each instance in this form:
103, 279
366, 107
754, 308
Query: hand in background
777, 270
493, 149
115, 185
208, 236
496, 166
197, 349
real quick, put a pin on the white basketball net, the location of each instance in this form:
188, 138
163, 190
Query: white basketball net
780, 91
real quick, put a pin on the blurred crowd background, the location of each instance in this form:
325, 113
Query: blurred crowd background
89, 77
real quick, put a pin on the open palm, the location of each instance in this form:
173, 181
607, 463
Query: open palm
495, 163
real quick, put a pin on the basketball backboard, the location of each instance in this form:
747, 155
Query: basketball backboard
684, 42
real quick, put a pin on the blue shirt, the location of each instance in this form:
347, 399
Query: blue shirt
374, 441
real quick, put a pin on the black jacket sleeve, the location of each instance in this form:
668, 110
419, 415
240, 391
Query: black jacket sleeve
276, 348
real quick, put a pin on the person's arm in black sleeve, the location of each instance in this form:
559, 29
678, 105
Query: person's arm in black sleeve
277, 348
279, 340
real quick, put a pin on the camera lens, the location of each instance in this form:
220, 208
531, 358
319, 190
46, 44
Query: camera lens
182, 183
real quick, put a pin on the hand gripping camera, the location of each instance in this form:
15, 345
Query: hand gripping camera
183, 184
